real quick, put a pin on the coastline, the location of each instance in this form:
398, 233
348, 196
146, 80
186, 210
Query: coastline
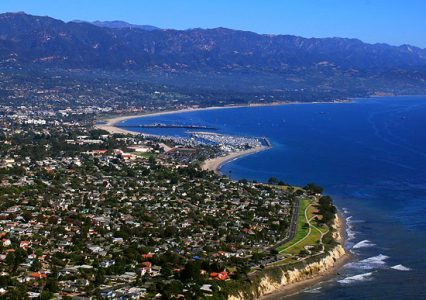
294, 281
111, 122
110, 125
214, 164
329, 273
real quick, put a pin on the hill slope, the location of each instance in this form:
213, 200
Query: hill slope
27, 40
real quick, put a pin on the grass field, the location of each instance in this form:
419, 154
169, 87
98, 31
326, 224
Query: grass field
144, 154
309, 232
302, 229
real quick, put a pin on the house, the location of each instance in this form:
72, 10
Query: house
108, 294
97, 152
33, 295
148, 255
118, 240
37, 276
140, 148
128, 156
25, 245
107, 263
219, 276
206, 288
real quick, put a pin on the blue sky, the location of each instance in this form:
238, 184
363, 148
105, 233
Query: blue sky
391, 21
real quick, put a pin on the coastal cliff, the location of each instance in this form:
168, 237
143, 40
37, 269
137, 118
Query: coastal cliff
279, 279
269, 284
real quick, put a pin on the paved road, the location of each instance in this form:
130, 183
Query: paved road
291, 234
293, 226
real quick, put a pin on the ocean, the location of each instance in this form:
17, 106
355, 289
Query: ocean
369, 155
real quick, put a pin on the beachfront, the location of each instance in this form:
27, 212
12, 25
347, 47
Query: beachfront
213, 164
328, 267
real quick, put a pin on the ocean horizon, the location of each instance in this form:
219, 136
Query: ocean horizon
369, 155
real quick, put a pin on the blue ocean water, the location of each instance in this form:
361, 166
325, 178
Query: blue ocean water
370, 155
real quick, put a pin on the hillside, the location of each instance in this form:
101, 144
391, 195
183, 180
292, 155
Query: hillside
282, 61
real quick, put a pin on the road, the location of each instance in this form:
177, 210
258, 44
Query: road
293, 226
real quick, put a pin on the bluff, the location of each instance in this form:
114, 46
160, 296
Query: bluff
272, 280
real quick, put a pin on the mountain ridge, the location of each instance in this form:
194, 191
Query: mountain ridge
45, 42
224, 46
116, 24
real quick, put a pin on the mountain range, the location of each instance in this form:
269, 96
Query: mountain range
119, 25
36, 41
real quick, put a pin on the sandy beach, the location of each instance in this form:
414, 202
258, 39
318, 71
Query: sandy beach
214, 164
111, 123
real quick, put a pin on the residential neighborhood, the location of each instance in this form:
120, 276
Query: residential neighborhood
84, 213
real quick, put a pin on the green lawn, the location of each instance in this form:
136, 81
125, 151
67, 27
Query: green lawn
144, 154
304, 237
302, 230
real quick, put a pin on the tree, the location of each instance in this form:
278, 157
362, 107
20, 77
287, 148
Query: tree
172, 288
51, 285
10, 259
36, 265
99, 277
46, 295
313, 188
191, 271
18, 293
273, 181
274, 252
327, 209
5, 280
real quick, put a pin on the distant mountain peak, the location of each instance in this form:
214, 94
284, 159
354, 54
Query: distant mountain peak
121, 24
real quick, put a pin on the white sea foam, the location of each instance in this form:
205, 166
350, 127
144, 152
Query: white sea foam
352, 221
400, 268
374, 262
363, 244
313, 290
349, 232
356, 278
345, 210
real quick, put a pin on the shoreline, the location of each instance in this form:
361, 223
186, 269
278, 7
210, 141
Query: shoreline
214, 164
111, 122
298, 287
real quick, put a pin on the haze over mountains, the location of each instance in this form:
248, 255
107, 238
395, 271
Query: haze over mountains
295, 62
122, 24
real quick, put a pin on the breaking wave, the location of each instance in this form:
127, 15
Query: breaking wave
374, 262
313, 290
400, 268
363, 244
349, 232
356, 278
